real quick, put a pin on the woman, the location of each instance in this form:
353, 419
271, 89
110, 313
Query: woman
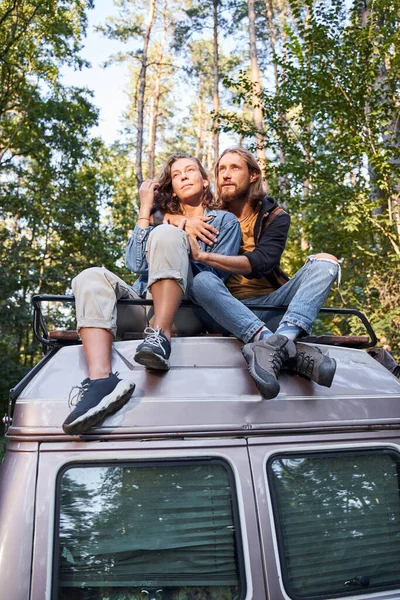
161, 254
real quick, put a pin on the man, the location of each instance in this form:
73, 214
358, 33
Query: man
257, 279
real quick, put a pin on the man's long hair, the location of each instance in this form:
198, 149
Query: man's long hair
256, 189
165, 200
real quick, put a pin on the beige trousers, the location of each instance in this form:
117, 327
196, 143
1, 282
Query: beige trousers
97, 290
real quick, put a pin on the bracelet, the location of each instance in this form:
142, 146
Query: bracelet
143, 219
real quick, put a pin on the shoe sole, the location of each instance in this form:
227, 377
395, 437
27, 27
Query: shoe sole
150, 360
326, 371
109, 404
265, 391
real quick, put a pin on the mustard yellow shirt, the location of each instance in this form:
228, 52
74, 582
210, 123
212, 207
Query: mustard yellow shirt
237, 284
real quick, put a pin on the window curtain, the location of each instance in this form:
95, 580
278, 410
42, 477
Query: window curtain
154, 526
338, 519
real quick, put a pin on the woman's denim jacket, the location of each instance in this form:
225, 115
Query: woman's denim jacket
228, 243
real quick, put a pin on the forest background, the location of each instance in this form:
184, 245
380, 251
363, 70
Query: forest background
312, 87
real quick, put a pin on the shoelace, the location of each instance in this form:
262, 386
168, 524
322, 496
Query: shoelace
278, 358
154, 338
73, 400
304, 364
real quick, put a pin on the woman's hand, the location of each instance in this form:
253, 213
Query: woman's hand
147, 192
195, 226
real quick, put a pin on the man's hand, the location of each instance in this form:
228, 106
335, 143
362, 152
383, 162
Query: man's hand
231, 264
196, 226
195, 251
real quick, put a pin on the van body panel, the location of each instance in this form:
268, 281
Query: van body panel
51, 462
206, 406
105, 447
260, 452
17, 508
370, 437
209, 391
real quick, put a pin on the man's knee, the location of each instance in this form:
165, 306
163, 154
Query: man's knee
204, 284
325, 256
326, 265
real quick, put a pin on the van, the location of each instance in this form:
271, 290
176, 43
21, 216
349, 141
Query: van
198, 488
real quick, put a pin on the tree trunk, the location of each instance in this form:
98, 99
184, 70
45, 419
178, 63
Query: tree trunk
44, 260
142, 90
210, 162
392, 137
216, 81
256, 85
307, 135
156, 98
391, 140
390, 195
199, 135
272, 34
282, 180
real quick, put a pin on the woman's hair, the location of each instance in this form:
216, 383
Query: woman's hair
165, 200
257, 189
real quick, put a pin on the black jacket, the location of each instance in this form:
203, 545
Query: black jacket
270, 240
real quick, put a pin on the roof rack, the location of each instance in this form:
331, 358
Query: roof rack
57, 339
53, 341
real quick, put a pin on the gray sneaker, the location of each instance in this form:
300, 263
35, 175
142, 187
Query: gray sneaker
311, 363
96, 398
266, 359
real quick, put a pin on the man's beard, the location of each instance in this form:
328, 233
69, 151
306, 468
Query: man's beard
228, 194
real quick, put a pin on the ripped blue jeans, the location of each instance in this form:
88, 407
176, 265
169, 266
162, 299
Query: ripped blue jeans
304, 294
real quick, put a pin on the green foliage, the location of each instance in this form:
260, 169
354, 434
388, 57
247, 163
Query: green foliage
56, 188
333, 144
196, 18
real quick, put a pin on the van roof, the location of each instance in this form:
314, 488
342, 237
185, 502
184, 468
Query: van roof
209, 392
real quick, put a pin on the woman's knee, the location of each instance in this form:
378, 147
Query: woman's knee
165, 235
87, 278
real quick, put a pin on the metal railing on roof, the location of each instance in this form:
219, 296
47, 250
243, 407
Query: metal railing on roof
43, 336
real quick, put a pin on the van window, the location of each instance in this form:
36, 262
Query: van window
160, 531
337, 518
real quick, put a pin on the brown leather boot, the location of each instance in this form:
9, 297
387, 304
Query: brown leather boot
266, 359
311, 363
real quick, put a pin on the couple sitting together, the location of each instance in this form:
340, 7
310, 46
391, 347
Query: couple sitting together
221, 253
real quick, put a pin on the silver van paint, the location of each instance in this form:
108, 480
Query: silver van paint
314, 448
96, 454
207, 405
210, 375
